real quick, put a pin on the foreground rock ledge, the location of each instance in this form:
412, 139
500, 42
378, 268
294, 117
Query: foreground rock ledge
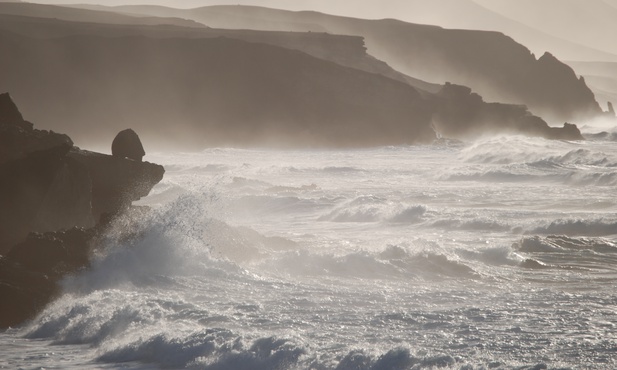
54, 197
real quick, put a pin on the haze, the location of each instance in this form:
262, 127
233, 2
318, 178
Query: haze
572, 30
222, 103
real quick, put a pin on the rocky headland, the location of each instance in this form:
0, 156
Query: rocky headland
462, 114
235, 87
491, 63
56, 198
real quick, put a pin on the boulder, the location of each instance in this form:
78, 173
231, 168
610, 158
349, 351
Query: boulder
127, 145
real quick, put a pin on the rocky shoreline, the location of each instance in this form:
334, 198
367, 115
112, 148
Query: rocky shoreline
56, 199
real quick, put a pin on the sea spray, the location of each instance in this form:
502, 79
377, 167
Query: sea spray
243, 264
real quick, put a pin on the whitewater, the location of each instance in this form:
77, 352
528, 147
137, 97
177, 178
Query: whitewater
494, 254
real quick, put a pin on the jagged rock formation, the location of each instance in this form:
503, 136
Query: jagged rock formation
601, 79
40, 188
18, 139
48, 185
9, 114
551, 81
462, 114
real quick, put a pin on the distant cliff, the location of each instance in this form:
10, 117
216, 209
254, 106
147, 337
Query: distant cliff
54, 21
463, 114
21, 8
196, 92
491, 63
182, 88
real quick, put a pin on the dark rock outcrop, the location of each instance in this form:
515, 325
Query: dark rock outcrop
8, 110
47, 184
225, 91
52, 196
493, 64
462, 114
116, 182
218, 91
40, 188
127, 145
24, 292
18, 139
30, 272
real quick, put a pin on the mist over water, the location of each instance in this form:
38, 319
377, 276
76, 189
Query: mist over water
495, 254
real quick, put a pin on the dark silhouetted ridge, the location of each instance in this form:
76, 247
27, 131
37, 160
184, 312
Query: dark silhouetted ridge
215, 91
491, 63
187, 88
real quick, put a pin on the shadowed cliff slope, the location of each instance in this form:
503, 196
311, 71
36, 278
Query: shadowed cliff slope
187, 88
342, 49
459, 14
200, 92
601, 78
491, 63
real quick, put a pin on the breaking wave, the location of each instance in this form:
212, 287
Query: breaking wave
299, 260
599, 227
375, 209
394, 262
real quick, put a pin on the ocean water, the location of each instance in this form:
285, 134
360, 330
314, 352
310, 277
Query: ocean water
496, 254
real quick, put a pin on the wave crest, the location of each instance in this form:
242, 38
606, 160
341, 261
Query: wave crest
599, 227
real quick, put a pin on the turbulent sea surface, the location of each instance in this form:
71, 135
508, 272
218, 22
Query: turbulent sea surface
497, 254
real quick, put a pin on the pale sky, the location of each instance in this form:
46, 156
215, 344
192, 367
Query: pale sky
321, 5
587, 23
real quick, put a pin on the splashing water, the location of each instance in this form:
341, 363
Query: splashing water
499, 254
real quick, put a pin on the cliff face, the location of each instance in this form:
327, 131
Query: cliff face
491, 63
186, 89
215, 91
601, 78
46, 184
50, 192
462, 114
40, 189
345, 50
